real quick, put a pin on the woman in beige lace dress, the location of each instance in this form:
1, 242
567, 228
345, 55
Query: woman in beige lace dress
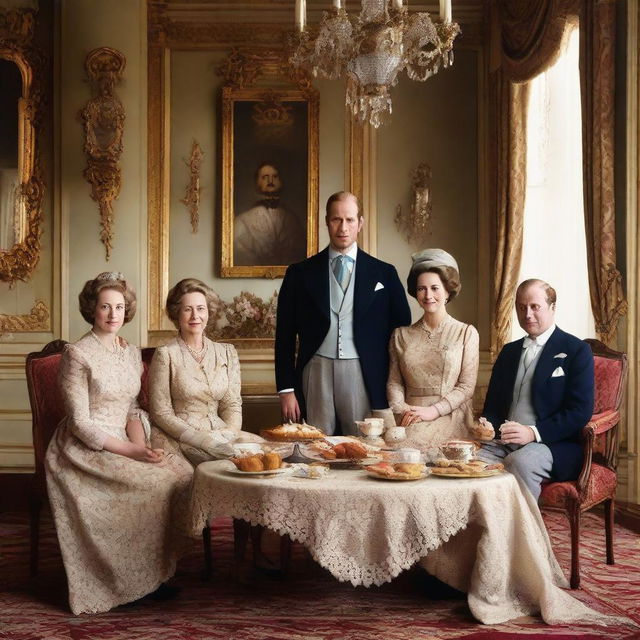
434, 362
114, 499
194, 383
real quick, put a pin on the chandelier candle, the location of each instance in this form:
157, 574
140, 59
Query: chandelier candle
301, 14
445, 10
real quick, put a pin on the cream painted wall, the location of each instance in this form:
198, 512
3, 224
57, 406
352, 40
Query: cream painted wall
435, 122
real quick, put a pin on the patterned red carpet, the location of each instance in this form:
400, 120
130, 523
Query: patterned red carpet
307, 605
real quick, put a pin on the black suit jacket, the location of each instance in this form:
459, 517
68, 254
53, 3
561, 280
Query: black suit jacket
304, 315
563, 403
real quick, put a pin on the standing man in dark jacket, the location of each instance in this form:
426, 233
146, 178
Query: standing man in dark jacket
340, 306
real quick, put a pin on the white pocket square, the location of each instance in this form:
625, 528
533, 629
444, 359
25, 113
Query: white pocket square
560, 355
557, 372
379, 286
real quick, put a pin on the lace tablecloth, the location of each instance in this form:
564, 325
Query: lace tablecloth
482, 536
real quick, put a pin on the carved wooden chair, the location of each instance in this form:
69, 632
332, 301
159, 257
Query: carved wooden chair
597, 481
47, 410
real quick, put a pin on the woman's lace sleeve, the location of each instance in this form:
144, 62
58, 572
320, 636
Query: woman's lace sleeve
73, 380
395, 381
466, 383
230, 406
160, 405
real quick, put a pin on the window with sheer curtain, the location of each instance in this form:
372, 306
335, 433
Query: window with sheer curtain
554, 246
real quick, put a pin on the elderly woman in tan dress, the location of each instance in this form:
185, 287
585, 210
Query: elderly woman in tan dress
194, 383
434, 362
117, 503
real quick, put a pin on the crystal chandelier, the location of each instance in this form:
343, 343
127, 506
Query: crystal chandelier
370, 50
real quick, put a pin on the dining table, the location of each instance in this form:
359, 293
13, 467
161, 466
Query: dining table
483, 536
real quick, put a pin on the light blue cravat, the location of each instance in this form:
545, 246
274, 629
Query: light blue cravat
341, 270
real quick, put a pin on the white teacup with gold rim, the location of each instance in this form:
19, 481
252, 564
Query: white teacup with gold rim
458, 450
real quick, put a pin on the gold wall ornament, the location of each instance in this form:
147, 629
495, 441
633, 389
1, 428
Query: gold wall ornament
16, 45
239, 68
36, 320
103, 124
415, 224
192, 195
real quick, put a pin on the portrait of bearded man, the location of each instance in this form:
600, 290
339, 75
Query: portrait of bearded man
268, 233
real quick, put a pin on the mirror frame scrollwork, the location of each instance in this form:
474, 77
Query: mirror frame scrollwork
16, 45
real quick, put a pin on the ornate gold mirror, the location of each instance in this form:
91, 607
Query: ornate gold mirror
21, 186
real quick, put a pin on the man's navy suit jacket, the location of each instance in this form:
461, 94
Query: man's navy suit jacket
563, 403
379, 306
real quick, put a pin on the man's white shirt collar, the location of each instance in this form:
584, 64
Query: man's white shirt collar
353, 251
540, 340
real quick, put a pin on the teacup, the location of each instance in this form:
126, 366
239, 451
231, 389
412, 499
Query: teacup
371, 427
392, 435
459, 450
406, 454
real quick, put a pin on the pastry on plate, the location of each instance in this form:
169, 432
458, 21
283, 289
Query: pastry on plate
293, 431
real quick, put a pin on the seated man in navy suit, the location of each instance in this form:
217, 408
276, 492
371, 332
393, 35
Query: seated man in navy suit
338, 308
540, 395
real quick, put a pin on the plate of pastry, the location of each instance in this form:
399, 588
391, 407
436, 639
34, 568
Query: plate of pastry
446, 468
341, 452
259, 464
398, 471
263, 473
292, 431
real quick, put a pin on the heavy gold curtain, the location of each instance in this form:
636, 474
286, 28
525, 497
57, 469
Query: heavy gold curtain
527, 36
597, 79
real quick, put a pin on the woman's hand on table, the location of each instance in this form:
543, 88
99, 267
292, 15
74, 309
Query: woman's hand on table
418, 414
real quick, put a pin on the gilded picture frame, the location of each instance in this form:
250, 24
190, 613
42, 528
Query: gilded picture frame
269, 180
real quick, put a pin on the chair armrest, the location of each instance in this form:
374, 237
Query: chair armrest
600, 423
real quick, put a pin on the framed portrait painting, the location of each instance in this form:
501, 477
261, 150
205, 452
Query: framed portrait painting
269, 180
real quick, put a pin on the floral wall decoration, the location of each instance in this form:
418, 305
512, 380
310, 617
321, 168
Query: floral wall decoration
246, 316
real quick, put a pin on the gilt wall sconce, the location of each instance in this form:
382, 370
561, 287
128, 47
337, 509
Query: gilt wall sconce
415, 223
103, 124
192, 194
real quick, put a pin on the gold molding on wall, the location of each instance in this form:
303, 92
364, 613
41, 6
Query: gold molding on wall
36, 320
361, 177
632, 405
158, 185
16, 45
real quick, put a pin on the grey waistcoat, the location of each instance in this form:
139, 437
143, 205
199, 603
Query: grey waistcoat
338, 343
521, 406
